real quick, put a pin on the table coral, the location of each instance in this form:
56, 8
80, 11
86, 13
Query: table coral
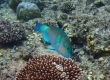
49, 67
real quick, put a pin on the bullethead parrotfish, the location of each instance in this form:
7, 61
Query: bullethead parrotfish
56, 37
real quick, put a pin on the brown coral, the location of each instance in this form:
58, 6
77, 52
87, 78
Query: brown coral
67, 6
11, 32
45, 67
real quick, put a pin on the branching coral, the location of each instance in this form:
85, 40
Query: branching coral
45, 67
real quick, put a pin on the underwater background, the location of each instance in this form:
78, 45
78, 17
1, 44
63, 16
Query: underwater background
86, 23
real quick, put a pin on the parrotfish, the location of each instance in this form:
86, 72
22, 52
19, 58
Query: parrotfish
56, 37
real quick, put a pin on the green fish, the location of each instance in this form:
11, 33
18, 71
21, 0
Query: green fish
57, 38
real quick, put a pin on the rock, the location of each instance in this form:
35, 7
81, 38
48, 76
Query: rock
14, 3
27, 10
107, 8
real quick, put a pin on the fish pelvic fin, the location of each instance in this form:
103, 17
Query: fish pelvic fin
50, 47
40, 27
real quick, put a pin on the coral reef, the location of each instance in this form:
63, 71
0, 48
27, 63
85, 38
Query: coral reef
50, 23
87, 25
67, 6
88, 2
64, 16
91, 31
10, 69
49, 67
14, 3
27, 10
107, 8
11, 32
99, 3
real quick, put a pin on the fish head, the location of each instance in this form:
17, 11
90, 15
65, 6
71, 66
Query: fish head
40, 27
66, 50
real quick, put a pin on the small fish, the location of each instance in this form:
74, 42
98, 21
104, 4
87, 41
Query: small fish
57, 38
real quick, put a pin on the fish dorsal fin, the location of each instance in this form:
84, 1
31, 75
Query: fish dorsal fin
58, 39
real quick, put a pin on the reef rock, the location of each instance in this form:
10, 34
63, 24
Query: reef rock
27, 10
14, 3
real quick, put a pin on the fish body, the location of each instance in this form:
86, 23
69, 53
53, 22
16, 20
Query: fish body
57, 37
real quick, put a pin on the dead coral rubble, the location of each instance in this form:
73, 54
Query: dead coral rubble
11, 32
45, 67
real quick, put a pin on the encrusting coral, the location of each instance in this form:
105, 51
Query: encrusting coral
67, 6
45, 67
11, 32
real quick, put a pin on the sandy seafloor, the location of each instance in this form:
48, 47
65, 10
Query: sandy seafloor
11, 57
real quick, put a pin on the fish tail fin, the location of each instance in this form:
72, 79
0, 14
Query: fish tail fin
40, 27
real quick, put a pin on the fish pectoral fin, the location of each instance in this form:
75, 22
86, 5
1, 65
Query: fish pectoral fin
58, 39
50, 47
45, 38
